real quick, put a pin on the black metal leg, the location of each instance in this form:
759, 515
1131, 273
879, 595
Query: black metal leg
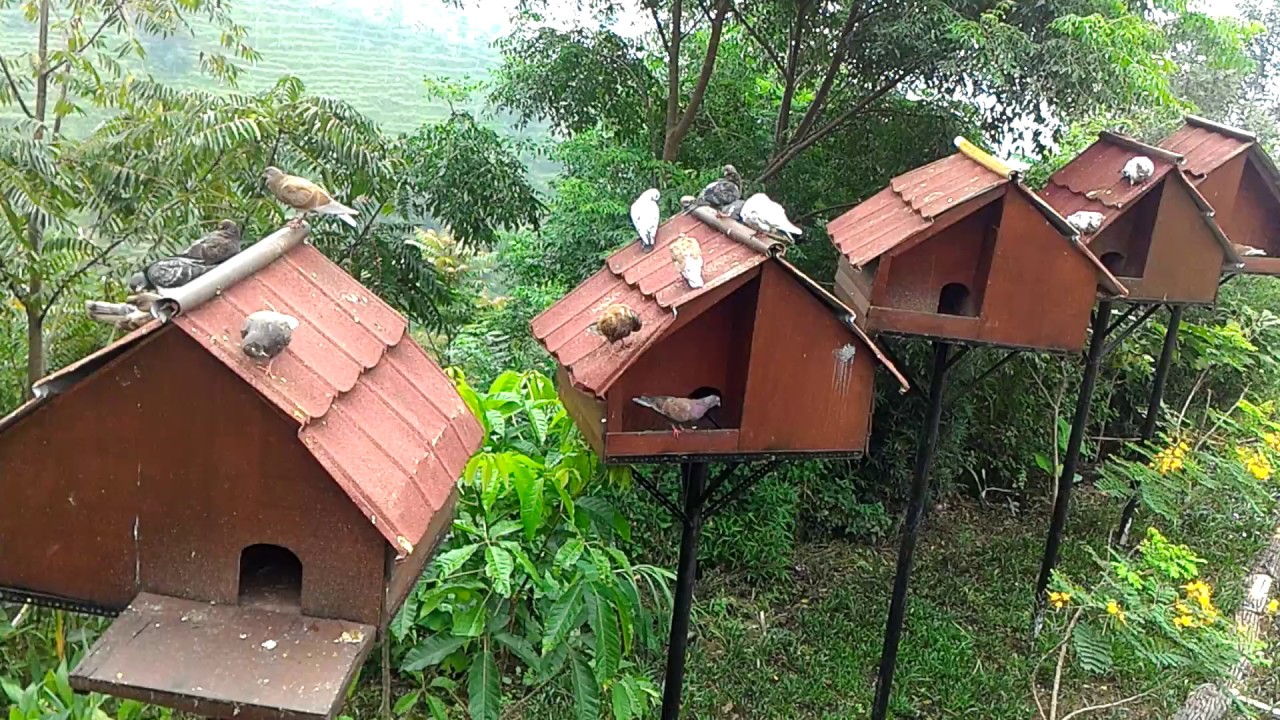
911, 532
695, 480
1153, 415
1072, 458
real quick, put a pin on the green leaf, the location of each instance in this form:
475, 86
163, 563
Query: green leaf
450, 562
498, 566
484, 688
402, 624
529, 488
604, 624
521, 648
470, 622
406, 703
503, 528
437, 708
586, 693
1092, 649
568, 554
605, 516
625, 703
507, 382
431, 652
563, 617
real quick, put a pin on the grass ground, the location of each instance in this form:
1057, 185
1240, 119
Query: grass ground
808, 647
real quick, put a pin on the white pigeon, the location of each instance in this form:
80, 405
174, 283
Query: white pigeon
645, 216
1250, 251
764, 214
1085, 222
1138, 169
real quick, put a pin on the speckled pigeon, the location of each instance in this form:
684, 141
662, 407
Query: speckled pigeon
217, 246
170, 272
1138, 169
762, 213
265, 334
722, 193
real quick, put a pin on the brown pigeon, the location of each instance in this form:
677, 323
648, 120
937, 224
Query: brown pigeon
305, 197
679, 410
617, 322
218, 246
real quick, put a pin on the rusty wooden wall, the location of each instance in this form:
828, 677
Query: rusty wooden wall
1041, 290
154, 473
1185, 259
711, 350
800, 394
1254, 218
1130, 236
1222, 186
912, 278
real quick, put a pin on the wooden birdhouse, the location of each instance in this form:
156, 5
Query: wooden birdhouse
793, 372
1157, 233
1237, 177
252, 528
958, 250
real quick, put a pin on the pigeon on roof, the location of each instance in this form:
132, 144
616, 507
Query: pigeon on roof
217, 246
721, 193
679, 410
762, 213
166, 273
617, 322
305, 197
1086, 222
265, 334
646, 216
687, 254
124, 316
1138, 169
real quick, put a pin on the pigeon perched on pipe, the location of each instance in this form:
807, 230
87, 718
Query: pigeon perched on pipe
617, 322
1138, 169
265, 334
762, 213
166, 273
217, 246
124, 316
305, 197
646, 216
721, 193
679, 410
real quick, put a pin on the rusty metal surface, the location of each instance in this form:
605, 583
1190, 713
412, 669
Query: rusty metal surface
1205, 148
376, 412
933, 189
1094, 176
219, 661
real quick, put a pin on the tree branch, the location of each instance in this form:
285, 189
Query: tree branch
93, 38
662, 33
820, 211
13, 87
802, 144
671, 146
760, 40
819, 102
673, 68
783, 124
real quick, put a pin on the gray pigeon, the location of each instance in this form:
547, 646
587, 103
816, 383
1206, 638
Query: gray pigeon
722, 193
1086, 222
734, 210
1138, 169
124, 316
266, 334
170, 272
680, 411
218, 246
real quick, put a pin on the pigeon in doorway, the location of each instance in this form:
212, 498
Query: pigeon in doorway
679, 410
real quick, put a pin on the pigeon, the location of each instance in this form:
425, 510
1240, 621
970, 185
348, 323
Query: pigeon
722, 193
645, 216
617, 322
1138, 169
125, 316
217, 246
305, 197
165, 273
680, 411
265, 334
1085, 222
687, 255
1249, 251
762, 213
734, 209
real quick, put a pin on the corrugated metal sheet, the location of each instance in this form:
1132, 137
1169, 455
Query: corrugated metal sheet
373, 408
1095, 174
651, 285
933, 189
1205, 149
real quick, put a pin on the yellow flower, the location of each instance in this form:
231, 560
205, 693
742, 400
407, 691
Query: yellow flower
1258, 464
1113, 608
1170, 459
1059, 600
16, 304
1184, 621
1273, 607
1272, 440
1197, 589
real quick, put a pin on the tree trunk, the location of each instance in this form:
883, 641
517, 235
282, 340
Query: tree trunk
35, 233
677, 132
673, 69
35, 347
1213, 702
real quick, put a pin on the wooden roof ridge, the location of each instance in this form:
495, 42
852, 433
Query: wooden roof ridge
1220, 128
1136, 145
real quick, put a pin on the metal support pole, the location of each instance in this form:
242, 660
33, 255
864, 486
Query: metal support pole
1153, 414
911, 532
1072, 458
695, 480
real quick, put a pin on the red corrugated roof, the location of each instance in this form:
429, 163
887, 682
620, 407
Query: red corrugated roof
1205, 147
651, 285
373, 409
1095, 175
908, 206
